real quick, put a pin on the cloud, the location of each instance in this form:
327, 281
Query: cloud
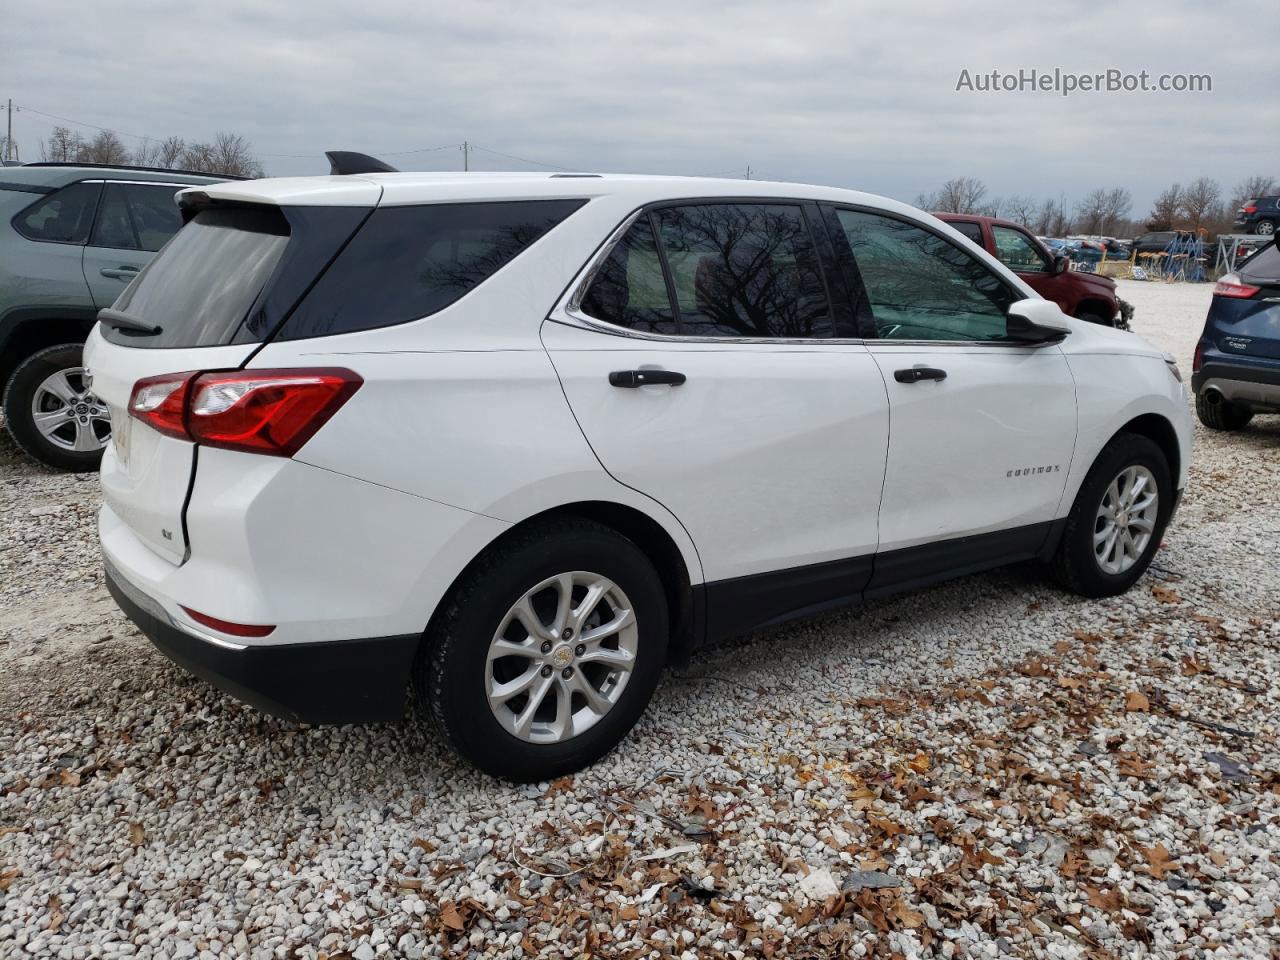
855, 95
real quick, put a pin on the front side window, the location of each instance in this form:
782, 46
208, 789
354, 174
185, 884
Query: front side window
920, 285
629, 290
744, 270
1017, 251
61, 217
408, 262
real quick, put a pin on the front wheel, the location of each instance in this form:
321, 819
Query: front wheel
1115, 525
546, 652
52, 413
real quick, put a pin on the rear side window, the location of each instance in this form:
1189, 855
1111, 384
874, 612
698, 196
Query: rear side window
629, 289
409, 262
62, 217
744, 270
199, 290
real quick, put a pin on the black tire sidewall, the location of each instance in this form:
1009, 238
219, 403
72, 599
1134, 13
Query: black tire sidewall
18, 395
457, 647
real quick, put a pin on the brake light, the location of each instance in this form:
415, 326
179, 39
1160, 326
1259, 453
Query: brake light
273, 412
226, 626
1249, 209
1198, 357
160, 402
1232, 286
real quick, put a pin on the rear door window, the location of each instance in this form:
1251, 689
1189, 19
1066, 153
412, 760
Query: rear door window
62, 217
409, 262
114, 226
200, 289
629, 290
154, 213
745, 270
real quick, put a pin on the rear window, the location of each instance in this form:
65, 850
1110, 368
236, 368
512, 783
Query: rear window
410, 262
1263, 265
199, 289
61, 217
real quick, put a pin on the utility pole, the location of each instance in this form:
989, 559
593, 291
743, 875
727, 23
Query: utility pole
466, 160
748, 171
8, 140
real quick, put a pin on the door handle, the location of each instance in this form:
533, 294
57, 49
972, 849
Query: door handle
916, 374
645, 378
119, 273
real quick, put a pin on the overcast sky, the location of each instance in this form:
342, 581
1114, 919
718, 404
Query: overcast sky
858, 95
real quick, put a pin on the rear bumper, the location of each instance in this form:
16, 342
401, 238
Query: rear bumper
337, 681
1254, 385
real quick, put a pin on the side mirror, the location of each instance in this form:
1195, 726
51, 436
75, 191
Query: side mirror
1061, 264
1036, 321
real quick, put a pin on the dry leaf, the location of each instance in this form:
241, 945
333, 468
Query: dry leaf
1137, 702
137, 836
1191, 666
1158, 862
1070, 683
8, 876
1164, 594
451, 917
69, 778
919, 763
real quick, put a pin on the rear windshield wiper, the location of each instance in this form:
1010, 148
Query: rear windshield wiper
126, 321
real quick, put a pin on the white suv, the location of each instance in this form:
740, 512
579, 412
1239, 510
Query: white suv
523, 439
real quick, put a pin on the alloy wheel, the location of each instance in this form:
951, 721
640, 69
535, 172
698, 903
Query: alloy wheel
1126, 519
68, 415
561, 657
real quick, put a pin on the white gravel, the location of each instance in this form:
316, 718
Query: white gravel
988, 767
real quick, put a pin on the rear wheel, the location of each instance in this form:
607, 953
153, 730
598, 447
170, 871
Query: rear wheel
547, 651
52, 413
1115, 525
1218, 413
1265, 228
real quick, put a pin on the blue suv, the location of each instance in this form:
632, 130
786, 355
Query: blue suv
1260, 216
1236, 371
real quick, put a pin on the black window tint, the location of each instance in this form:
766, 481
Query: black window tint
410, 262
744, 270
155, 215
920, 285
629, 289
61, 217
114, 227
971, 230
199, 290
1263, 265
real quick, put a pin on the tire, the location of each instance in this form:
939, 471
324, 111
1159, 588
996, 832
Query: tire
453, 674
1265, 228
1076, 566
29, 386
1218, 413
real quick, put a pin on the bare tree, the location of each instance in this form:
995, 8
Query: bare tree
1251, 188
106, 147
1102, 211
229, 153
63, 146
169, 151
8, 149
960, 195
1051, 220
1198, 200
1167, 209
1021, 210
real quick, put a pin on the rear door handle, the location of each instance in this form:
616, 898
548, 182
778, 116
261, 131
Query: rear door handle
916, 374
119, 273
645, 378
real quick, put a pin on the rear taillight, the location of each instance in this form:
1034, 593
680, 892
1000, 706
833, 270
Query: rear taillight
1232, 286
273, 412
1249, 209
1198, 357
160, 402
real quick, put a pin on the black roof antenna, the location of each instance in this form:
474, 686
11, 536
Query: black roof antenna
345, 161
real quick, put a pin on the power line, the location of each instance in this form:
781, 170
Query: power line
509, 156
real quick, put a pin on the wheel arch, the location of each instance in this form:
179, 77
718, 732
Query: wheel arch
25, 331
1161, 432
645, 532
1096, 306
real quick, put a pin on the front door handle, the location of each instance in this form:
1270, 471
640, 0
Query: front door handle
645, 378
119, 273
916, 374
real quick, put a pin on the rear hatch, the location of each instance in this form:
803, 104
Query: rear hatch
215, 292
1246, 322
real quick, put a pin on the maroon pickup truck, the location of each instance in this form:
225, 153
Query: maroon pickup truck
1084, 295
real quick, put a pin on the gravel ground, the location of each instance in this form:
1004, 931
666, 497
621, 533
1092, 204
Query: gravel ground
988, 767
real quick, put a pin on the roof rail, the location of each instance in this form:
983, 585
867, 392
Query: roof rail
127, 166
576, 176
344, 162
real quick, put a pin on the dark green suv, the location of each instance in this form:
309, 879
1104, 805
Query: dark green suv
72, 236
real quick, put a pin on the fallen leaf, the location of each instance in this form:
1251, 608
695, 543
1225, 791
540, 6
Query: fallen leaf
451, 917
69, 778
1137, 702
1110, 900
8, 876
137, 836
1164, 594
1070, 683
919, 763
1191, 666
1158, 861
